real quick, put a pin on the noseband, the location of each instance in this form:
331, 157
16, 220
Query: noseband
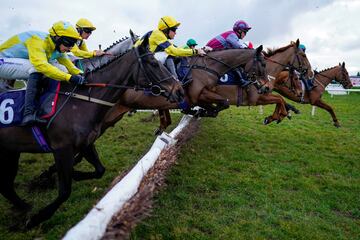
154, 83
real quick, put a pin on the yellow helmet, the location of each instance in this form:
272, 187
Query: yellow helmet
167, 22
62, 28
84, 23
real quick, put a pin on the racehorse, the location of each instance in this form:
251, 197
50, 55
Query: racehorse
276, 60
205, 75
76, 125
321, 80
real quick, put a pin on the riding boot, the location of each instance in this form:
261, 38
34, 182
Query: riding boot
170, 65
31, 93
184, 71
243, 82
308, 84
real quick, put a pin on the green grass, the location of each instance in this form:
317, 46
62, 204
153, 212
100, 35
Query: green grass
120, 148
236, 179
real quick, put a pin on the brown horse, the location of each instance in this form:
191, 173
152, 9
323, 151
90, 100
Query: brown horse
75, 127
321, 80
276, 60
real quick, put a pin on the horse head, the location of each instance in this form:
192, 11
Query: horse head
300, 62
154, 76
256, 70
342, 76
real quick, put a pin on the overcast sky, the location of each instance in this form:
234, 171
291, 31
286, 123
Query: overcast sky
329, 28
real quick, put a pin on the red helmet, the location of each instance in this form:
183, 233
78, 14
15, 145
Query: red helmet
241, 25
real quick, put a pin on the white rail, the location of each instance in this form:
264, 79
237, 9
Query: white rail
93, 226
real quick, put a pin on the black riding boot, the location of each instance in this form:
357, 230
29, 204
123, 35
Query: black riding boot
31, 93
242, 79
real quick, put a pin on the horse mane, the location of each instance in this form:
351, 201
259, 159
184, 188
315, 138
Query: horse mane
116, 43
326, 69
110, 60
117, 49
271, 52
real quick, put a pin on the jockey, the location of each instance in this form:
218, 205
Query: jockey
34, 53
308, 83
85, 28
232, 39
191, 43
165, 51
302, 47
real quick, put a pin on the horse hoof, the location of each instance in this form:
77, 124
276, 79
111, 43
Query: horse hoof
278, 121
297, 112
289, 117
158, 132
337, 125
266, 121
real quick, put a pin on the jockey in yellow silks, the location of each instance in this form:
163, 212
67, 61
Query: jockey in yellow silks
159, 43
85, 29
35, 53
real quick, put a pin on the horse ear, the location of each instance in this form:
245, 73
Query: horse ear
297, 43
259, 49
145, 41
133, 38
343, 64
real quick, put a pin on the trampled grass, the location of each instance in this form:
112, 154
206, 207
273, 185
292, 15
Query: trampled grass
236, 179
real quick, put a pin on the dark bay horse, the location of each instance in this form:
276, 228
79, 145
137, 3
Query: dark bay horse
75, 126
321, 80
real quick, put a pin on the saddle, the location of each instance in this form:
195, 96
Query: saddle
12, 104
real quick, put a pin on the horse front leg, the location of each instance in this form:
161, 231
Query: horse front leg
91, 155
165, 120
292, 108
280, 110
47, 179
208, 98
319, 103
64, 160
8, 172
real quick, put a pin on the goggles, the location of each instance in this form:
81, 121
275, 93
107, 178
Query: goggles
173, 29
67, 41
87, 30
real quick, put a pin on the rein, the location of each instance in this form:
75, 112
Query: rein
154, 89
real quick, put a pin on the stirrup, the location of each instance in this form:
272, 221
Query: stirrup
245, 83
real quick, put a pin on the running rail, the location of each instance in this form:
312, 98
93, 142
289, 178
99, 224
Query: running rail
93, 226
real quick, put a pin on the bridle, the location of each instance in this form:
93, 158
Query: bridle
341, 80
291, 67
152, 79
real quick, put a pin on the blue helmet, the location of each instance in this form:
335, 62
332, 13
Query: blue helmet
302, 47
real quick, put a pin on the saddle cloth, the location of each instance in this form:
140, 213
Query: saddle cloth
12, 104
231, 78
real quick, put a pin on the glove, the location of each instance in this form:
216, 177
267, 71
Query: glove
207, 49
77, 79
201, 52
